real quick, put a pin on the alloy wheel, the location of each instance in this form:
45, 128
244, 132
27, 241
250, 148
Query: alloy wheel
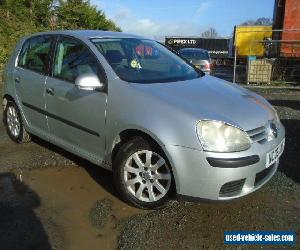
147, 176
13, 121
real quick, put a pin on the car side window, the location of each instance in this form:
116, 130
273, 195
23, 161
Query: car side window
73, 59
35, 54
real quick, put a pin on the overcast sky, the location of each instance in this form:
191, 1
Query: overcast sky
159, 18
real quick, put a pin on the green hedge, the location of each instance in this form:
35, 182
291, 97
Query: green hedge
23, 17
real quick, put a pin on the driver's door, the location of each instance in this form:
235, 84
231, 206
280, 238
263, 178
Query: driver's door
76, 117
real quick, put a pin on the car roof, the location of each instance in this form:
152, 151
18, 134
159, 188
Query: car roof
88, 34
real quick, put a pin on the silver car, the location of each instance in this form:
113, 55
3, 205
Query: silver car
130, 105
198, 57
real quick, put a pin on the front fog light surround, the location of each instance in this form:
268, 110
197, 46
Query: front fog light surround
217, 136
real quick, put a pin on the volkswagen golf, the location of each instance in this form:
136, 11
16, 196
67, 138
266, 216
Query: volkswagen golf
130, 105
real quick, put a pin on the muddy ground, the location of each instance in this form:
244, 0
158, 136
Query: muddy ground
50, 199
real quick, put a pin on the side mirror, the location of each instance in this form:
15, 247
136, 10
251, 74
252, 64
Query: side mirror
88, 81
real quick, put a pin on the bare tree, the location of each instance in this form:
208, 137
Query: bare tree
210, 33
259, 21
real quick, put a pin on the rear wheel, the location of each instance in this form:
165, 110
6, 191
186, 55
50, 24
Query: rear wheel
14, 124
142, 175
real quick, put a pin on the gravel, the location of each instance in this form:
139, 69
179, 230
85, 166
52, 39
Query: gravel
99, 214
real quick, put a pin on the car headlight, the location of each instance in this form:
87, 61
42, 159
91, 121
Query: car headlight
216, 136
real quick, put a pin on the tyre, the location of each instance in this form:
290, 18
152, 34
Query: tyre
14, 124
142, 175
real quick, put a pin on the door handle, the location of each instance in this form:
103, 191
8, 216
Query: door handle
17, 79
50, 91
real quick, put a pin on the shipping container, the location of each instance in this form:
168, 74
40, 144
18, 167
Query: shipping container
217, 48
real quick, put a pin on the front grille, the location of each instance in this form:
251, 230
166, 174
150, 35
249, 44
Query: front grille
258, 134
232, 188
262, 175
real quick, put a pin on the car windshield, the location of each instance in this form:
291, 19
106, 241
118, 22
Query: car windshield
144, 61
194, 54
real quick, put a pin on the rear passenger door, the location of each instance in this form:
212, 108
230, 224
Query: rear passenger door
76, 117
30, 79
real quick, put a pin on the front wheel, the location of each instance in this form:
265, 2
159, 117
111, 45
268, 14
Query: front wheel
142, 175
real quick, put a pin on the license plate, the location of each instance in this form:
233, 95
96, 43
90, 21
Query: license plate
274, 155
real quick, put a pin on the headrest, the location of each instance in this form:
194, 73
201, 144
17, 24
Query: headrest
114, 56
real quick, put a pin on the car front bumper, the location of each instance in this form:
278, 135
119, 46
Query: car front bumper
195, 177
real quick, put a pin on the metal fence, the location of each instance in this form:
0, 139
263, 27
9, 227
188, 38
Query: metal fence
278, 61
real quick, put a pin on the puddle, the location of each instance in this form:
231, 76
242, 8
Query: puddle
54, 203
69, 196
